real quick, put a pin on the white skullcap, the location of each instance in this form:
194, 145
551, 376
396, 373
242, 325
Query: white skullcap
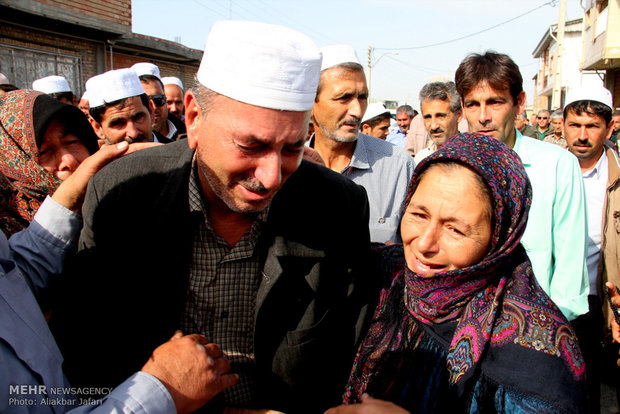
590, 93
51, 84
374, 109
261, 64
145, 68
337, 54
171, 80
4, 80
112, 86
84, 96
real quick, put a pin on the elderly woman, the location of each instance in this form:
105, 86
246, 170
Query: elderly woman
462, 325
42, 141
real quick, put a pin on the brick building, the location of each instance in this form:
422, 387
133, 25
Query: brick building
79, 39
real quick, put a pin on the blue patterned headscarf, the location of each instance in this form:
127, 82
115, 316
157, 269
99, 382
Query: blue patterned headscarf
478, 294
495, 302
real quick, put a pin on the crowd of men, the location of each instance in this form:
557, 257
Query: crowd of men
225, 233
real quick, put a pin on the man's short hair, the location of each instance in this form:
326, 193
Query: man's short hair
557, 114
498, 69
348, 66
590, 108
97, 112
204, 96
407, 109
151, 78
445, 91
376, 120
62, 95
7, 87
616, 113
543, 111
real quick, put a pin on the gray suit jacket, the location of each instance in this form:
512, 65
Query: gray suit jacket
125, 292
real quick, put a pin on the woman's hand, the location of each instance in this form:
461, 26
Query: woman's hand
369, 405
615, 299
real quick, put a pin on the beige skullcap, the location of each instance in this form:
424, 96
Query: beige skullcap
261, 64
112, 86
51, 84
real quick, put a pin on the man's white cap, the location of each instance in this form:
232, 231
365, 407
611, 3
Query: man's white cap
171, 80
4, 80
112, 86
261, 64
85, 97
51, 84
338, 54
374, 109
590, 93
145, 68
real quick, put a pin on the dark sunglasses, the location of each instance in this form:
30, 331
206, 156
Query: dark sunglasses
540, 117
158, 100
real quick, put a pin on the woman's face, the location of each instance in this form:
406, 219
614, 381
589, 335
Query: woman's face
61, 152
447, 223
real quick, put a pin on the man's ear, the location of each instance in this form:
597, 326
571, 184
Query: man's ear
193, 118
97, 128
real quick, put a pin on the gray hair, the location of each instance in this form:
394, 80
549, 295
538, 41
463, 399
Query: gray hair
543, 111
407, 109
347, 66
557, 114
445, 91
204, 97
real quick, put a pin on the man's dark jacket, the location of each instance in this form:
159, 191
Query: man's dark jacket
124, 294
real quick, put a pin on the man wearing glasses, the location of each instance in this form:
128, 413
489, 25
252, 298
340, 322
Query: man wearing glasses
543, 128
163, 123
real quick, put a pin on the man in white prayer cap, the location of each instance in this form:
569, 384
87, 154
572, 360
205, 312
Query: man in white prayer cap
227, 235
5, 85
168, 126
376, 121
381, 168
173, 88
119, 108
56, 86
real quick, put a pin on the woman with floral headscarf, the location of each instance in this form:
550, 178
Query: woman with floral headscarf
462, 325
42, 141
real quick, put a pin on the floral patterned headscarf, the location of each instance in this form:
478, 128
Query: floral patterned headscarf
24, 184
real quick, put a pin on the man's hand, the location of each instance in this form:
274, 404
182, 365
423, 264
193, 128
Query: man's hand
71, 192
192, 369
369, 405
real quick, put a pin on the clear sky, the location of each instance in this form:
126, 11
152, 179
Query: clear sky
386, 25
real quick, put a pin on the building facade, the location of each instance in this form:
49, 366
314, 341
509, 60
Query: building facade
571, 73
78, 39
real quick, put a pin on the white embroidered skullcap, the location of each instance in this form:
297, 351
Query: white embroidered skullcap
590, 93
112, 86
374, 109
145, 68
338, 54
51, 84
261, 64
4, 80
171, 80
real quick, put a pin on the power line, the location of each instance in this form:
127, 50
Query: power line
309, 29
551, 3
209, 8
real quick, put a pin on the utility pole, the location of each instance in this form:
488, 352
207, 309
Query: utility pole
556, 95
369, 68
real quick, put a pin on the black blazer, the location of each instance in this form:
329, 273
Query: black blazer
124, 293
